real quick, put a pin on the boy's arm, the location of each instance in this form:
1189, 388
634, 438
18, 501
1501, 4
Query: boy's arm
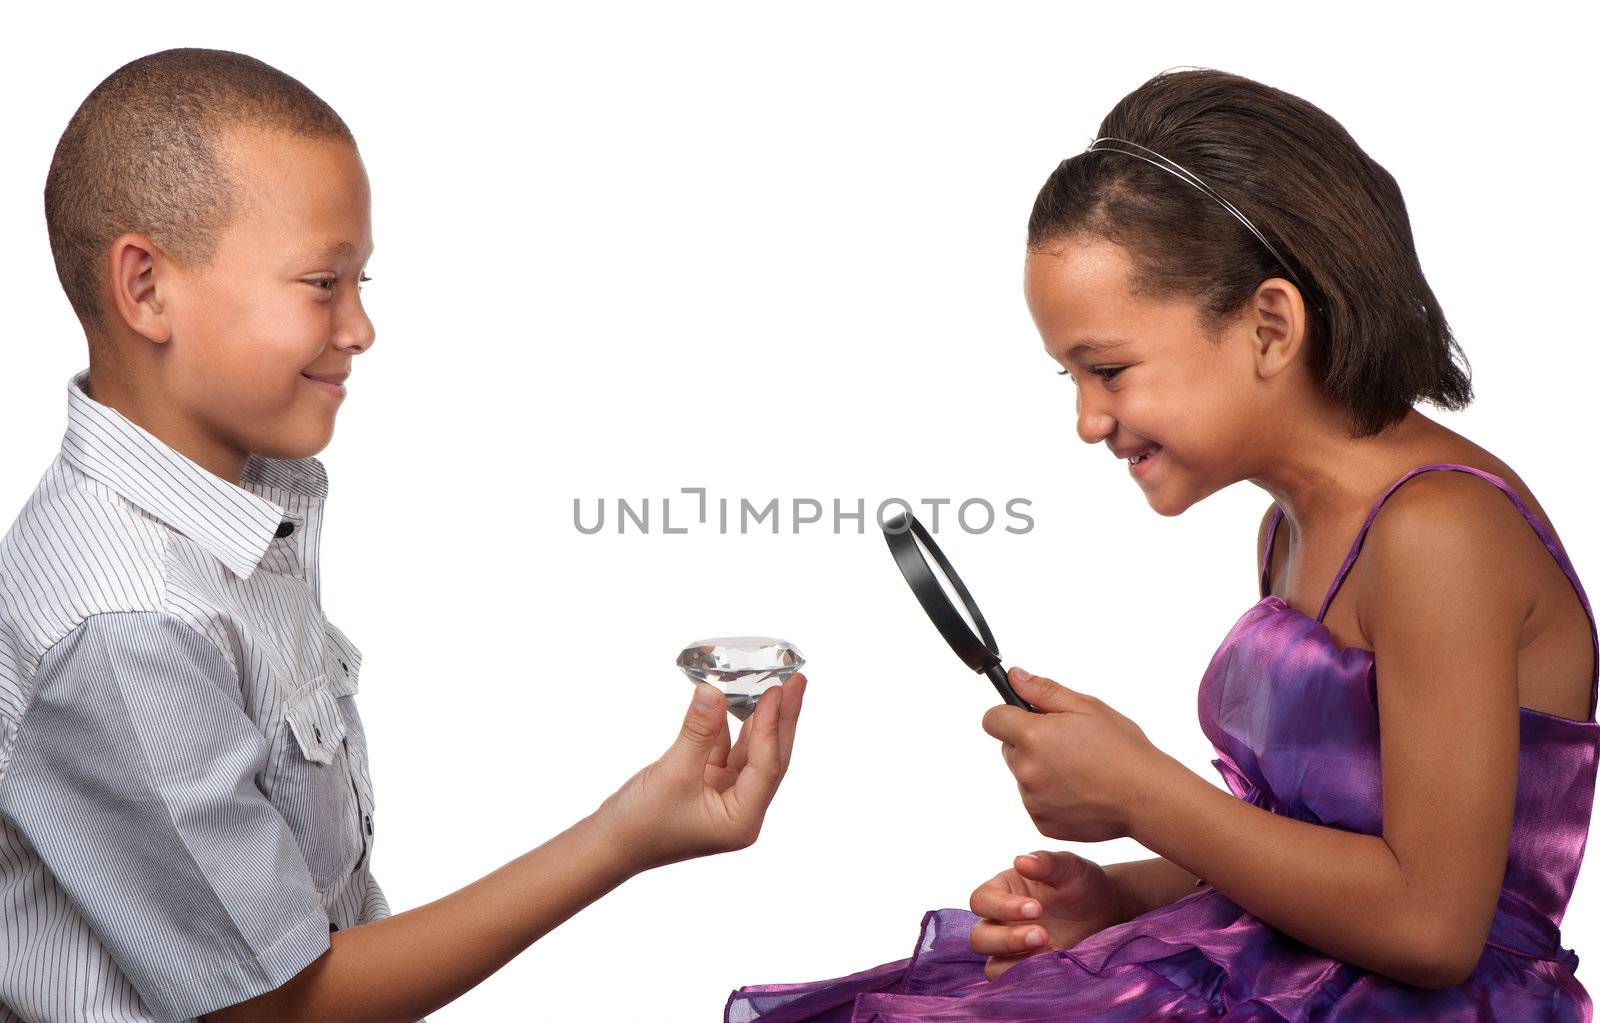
402, 967
133, 778
700, 797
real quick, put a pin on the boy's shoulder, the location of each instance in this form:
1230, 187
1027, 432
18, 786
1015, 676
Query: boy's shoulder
120, 522
77, 549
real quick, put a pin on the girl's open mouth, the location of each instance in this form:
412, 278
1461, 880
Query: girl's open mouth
1140, 465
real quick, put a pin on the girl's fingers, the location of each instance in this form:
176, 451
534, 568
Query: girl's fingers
999, 904
992, 938
998, 965
1051, 868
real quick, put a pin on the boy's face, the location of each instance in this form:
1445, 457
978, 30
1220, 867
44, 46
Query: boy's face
279, 301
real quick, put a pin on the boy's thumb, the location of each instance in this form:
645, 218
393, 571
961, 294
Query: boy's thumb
703, 721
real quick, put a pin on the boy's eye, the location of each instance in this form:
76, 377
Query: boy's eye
327, 283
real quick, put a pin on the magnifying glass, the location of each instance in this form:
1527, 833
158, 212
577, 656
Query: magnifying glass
946, 600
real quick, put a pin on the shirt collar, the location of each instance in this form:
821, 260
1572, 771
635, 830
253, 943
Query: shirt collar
234, 522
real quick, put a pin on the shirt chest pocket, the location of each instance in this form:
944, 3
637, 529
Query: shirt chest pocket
321, 783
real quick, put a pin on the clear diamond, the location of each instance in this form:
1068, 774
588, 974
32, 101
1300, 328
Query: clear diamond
743, 667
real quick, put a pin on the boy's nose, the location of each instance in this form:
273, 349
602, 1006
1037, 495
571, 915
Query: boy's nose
357, 332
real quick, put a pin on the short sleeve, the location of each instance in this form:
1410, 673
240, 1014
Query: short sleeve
134, 778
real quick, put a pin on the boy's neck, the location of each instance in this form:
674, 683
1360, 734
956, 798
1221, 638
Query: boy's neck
158, 415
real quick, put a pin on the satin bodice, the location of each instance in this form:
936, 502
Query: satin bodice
1294, 721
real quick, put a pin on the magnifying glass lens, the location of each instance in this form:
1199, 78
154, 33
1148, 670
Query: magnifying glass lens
951, 594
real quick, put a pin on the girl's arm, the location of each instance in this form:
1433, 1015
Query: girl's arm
1149, 884
1445, 587
699, 798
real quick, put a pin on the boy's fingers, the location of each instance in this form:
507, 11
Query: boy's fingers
739, 755
759, 778
794, 692
991, 938
719, 748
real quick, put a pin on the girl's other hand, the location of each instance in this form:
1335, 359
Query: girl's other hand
1048, 901
703, 796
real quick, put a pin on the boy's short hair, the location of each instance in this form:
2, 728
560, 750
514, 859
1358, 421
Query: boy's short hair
141, 154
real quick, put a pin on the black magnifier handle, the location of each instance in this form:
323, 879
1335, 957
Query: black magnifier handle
968, 636
997, 675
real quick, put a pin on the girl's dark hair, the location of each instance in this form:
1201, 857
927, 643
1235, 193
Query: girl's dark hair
1377, 339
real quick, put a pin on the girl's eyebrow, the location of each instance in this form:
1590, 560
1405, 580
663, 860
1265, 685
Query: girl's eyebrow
1094, 346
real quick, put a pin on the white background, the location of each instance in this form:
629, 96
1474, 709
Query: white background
776, 252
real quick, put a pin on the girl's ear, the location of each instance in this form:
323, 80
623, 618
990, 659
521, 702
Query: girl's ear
1277, 323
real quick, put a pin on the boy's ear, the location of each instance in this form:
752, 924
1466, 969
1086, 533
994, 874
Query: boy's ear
134, 295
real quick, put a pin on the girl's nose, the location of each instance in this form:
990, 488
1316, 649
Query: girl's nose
1094, 424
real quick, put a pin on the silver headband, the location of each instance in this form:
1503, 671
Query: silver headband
1172, 168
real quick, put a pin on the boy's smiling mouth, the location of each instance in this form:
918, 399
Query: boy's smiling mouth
332, 383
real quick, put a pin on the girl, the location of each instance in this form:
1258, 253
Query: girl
1231, 285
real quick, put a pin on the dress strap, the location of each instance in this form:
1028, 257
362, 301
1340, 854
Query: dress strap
1533, 520
1266, 556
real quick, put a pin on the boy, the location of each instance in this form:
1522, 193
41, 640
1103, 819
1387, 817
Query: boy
186, 813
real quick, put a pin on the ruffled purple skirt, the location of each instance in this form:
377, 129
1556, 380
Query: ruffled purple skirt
1199, 958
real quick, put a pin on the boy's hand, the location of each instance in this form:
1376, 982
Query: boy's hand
1048, 901
701, 796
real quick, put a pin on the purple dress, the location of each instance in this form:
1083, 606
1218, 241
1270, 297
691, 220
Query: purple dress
1294, 720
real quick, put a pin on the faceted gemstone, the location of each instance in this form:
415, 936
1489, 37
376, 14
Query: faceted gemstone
743, 667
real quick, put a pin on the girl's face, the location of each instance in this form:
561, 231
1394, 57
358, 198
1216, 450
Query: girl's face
1145, 373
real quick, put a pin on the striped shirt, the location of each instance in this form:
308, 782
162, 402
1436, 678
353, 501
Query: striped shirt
185, 805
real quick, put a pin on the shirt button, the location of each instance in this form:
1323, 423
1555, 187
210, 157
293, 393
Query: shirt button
317, 732
284, 529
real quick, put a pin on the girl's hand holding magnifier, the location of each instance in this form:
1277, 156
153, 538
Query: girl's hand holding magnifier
1081, 767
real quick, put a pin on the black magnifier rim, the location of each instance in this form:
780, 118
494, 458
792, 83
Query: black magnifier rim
978, 654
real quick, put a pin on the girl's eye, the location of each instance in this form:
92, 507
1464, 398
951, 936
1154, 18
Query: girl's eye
1107, 373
